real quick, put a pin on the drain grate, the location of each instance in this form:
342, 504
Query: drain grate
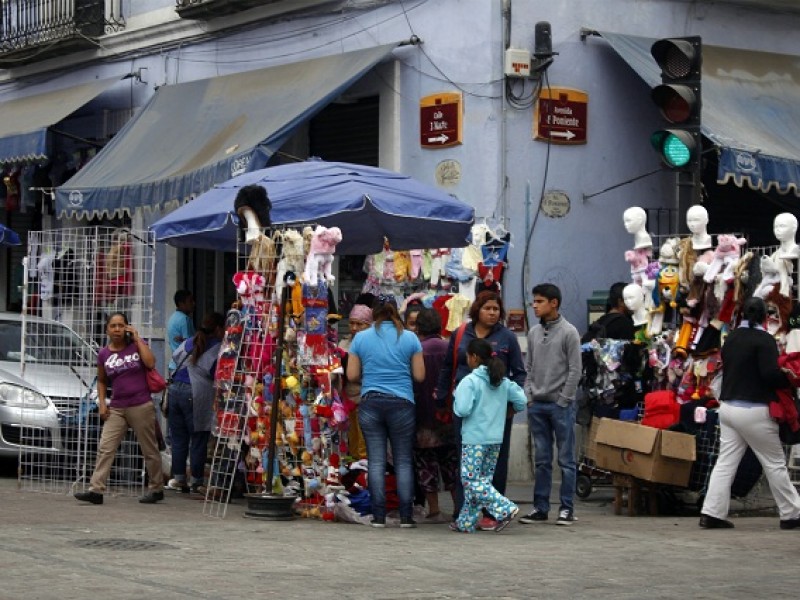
121, 544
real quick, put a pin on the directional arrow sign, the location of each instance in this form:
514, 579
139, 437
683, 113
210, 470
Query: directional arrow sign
440, 120
439, 138
560, 116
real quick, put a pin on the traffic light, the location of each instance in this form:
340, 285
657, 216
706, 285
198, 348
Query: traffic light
679, 100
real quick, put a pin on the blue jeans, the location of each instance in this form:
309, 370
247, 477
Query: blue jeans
547, 420
185, 443
384, 417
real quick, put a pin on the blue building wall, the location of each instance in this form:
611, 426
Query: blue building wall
503, 170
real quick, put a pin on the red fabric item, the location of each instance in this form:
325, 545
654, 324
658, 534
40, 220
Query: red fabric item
661, 409
439, 306
785, 410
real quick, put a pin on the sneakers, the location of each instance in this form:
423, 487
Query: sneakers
174, 484
95, 498
151, 497
708, 522
505, 522
565, 517
198, 488
454, 527
535, 516
407, 523
378, 523
487, 524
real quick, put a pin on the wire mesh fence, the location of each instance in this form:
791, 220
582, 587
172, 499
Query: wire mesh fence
74, 279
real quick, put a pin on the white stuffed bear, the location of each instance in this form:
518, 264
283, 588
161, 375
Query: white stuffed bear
291, 258
770, 277
320, 255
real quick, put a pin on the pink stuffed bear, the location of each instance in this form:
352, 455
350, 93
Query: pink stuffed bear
726, 255
320, 255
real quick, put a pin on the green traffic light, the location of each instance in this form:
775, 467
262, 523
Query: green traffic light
675, 146
675, 152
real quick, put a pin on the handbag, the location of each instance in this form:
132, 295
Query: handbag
155, 382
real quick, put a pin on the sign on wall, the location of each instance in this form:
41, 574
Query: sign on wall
560, 116
440, 120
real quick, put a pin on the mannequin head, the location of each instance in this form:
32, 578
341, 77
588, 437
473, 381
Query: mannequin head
633, 296
785, 227
634, 219
697, 219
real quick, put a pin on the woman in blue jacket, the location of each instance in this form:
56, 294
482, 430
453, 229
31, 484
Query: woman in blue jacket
486, 322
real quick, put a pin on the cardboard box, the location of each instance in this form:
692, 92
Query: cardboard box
645, 452
590, 449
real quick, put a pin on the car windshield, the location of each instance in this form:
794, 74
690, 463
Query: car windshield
45, 343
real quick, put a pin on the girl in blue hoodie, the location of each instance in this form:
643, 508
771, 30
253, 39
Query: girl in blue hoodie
481, 399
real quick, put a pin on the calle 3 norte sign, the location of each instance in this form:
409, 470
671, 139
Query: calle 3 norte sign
560, 116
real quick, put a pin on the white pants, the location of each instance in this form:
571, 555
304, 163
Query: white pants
739, 428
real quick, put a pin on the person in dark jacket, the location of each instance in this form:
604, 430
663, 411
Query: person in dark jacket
616, 323
435, 454
486, 322
750, 378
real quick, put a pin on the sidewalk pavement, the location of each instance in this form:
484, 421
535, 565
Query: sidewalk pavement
52, 546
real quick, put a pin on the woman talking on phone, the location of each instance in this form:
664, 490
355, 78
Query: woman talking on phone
122, 365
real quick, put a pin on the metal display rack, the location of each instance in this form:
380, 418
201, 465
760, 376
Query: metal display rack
73, 280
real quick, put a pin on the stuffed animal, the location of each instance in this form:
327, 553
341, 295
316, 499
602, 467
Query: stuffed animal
320, 255
770, 277
250, 288
252, 206
291, 258
638, 259
726, 255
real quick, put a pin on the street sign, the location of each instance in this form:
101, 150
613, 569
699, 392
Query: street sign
440, 120
560, 116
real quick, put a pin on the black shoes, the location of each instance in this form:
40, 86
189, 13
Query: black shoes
91, 497
152, 497
790, 523
407, 523
707, 522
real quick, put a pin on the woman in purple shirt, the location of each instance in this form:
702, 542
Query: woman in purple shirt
122, 365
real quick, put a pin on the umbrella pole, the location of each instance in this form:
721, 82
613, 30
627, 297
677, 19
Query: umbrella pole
277, 381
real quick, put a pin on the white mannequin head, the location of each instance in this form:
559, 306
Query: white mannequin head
633, 296
634, 219
785, 227
697, 221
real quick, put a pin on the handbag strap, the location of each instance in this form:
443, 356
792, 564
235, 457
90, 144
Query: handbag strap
178, 368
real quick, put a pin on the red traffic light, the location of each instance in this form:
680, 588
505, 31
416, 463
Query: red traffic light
677, 103
679, 58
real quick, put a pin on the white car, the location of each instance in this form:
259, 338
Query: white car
41, 397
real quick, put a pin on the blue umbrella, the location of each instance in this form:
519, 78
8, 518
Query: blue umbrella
366, 203
8, 237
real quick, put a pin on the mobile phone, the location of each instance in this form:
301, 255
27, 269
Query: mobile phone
128, 337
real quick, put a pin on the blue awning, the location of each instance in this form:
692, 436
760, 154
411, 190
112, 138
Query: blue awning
24, 121
193, 135
750, 110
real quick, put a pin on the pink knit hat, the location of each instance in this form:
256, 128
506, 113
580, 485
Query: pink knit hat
362, 313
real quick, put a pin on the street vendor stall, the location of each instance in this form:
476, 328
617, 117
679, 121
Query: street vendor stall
282, 416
